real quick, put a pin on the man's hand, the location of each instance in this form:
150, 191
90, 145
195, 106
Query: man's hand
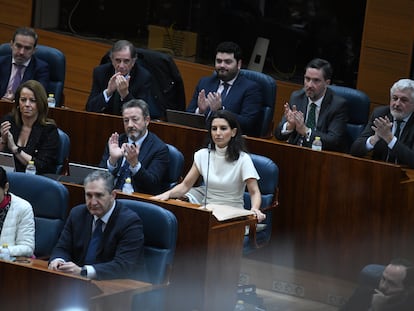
214, 101
202, 102
69, 267
131, 153
115, 152
382, 127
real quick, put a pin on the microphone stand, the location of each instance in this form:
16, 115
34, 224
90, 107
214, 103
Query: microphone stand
208, 169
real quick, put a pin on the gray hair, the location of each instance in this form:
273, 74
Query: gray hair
99, 174
402, 85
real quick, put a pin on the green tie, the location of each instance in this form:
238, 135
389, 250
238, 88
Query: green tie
311, 120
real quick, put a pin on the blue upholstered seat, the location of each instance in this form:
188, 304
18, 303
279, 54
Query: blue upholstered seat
358, 104
160, 235
49, 199
63, 153
268, 85
57, 68
268, 184
175, 168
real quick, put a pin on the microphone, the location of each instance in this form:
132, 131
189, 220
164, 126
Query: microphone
208, 169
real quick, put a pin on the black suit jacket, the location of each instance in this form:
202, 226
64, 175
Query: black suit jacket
403, 149
139, 88
42, 145
154, 158
331, 125
37, 70
120, 253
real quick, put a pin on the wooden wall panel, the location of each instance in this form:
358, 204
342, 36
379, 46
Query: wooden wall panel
387, 47
16, 13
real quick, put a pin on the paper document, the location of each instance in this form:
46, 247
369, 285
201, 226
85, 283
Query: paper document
225, 212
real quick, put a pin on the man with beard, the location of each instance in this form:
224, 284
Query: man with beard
394, 292
315, 111
389, 134
227, 89
137, 154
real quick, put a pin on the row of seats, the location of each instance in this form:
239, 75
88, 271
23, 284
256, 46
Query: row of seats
358, 102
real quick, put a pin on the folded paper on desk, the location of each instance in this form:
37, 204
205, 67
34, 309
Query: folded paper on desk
225, 212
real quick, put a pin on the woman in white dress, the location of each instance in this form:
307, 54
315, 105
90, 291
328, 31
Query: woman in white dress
225, 166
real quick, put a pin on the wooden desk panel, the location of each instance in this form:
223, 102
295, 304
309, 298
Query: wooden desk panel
33, 286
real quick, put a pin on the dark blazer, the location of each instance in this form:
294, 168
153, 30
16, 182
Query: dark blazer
331, 125
244, 99
37, 70
403, 149
362, 297
120, 253
154, 158
43, 145
139, 88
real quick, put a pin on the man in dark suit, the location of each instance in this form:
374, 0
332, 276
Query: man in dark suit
327, 119
227, 89
393, 292
389, 134
119, 81
101, 239
22, 64
138, 153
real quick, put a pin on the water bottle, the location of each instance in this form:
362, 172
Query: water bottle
31, 168
5, 252
240, 306
127, 188
51, 101
317, 144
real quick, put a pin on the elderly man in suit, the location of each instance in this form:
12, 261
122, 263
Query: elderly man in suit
227, 89
23, 64
119, 81
314, 111
138, 153
101, 239
389, 134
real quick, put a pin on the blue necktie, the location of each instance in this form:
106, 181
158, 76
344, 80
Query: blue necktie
224, 92
94, 243
124, 173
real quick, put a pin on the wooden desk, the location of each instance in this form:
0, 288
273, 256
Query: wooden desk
32, 286
207, 260
336, 213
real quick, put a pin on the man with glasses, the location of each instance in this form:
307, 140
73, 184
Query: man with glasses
389, 134
119, 81
22, 64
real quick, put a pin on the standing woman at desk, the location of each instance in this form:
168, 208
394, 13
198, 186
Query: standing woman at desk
28, 133
17, 228
225, 166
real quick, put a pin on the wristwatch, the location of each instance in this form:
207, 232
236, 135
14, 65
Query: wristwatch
84, 272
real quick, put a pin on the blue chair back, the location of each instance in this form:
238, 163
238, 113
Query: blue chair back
358, 104
268, 185
63, 153
269, 88
160, 234
160, 237
57, 68
176, 165
50, 202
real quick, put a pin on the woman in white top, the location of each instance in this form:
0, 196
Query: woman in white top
225, 166
17, 228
